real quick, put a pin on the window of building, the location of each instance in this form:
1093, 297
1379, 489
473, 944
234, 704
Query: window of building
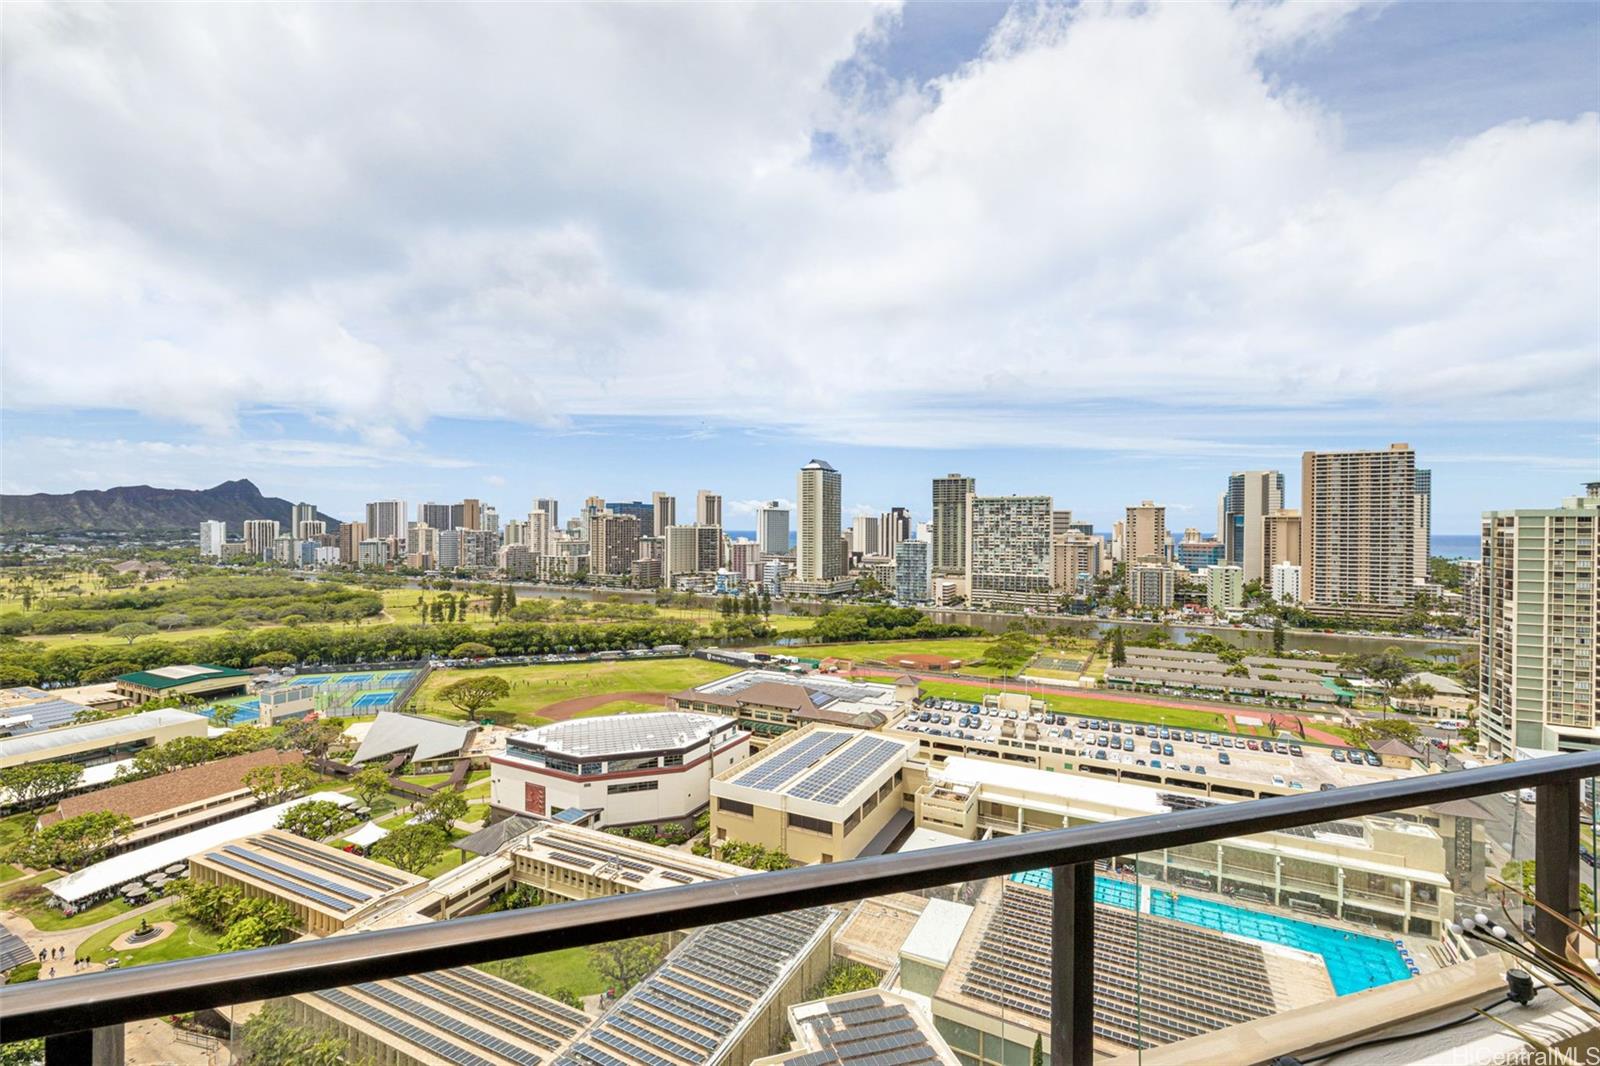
592, 768
728, 806
851, 822
631, 786
641, 763
815, 825
672, 760
566, 766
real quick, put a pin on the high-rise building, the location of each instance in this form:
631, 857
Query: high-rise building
373, 552
613, 543
1144, 534
1357, 531
744, 559
1060, 522
468, 549
912, 572
707, 508
436, 516
309, 530
864, 536
1251, 496
949, 521
259, 535
1225, 587
772, 528
471, 514
386, 518
644, 512
1075, 560
489, 519
1285, 582
1153, 581
817, 555
663, 513
213, 535
299, 515
1008, 551
1280, 540
1195, 552
1422, 524
351, 534
551, 508
692, 550
894, 526
1539, 623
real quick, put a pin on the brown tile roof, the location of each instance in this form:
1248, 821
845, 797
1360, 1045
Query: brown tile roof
178, 788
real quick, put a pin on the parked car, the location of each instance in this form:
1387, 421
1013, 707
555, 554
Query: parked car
1223, 758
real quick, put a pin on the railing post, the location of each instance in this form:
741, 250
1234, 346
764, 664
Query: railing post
1072, 965
1555, 862
86, 1047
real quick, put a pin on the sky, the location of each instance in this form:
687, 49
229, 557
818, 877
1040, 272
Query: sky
1105, 252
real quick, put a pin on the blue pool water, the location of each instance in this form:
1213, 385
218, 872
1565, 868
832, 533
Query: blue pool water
1355, 961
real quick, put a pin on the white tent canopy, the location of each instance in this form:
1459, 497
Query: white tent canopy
367, 835
134, 865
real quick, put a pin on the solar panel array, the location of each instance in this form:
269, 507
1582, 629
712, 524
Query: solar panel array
1156, 981
335, 863
867, 1031
792, 761
14, 951
576, 851
284, 868
463, 1016
250, 870
696, 1002
848, 771
45, 715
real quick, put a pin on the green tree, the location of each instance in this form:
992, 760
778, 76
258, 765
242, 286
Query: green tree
471, 650
1011, 652
1119, 648
370, 784
316, 819
275, 784
472, 694
411, 847
845, 976
274, 659
132, 631
443, 808
35, 784
1388, 668
1277, 636
11, 676
71, 841
314, 736
624, 963
1521, 874
274, 1038
1037, 1058
223, 714
22, 1052
1373, 733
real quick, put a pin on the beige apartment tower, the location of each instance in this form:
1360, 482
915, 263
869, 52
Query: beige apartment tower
1280, 540
664, 511
1144, 536
949, 520
707, 508
1357, 531
613, 543
818, 555
1539, 622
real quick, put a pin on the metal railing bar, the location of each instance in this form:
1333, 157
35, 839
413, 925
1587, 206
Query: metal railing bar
113, 997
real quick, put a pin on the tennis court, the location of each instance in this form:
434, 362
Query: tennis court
373, 699
352, 679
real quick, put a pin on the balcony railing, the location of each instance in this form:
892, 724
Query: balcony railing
69, 1012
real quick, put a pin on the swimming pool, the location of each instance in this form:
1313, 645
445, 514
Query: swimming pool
1355, 961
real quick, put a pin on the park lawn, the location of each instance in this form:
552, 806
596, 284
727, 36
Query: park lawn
57, 640
535, 687
16, 826
1064, 675
476, 812
568, 968
449, 860
426, 780
619, 707
8, 872
187, 941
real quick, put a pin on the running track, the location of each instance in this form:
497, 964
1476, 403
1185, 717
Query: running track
1230, 713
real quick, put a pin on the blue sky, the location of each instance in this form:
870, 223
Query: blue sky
1106, 253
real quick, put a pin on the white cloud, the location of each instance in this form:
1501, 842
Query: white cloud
382, 216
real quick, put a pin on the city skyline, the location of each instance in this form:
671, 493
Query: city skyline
871, 257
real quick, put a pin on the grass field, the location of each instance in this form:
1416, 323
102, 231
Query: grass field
535, 687
618, 707
185, 942
28, 898
967, 649
568, 968
8, 872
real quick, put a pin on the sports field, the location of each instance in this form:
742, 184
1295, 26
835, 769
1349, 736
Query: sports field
535, 688
355, 693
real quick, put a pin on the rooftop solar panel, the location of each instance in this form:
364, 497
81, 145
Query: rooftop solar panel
333, 864
296, 872
281, 882
450, 1024
477, 1010
548, 1007
413, 1034
846, 772
649, 1058
791, 762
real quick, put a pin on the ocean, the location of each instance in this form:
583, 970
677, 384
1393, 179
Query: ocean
1457, 545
